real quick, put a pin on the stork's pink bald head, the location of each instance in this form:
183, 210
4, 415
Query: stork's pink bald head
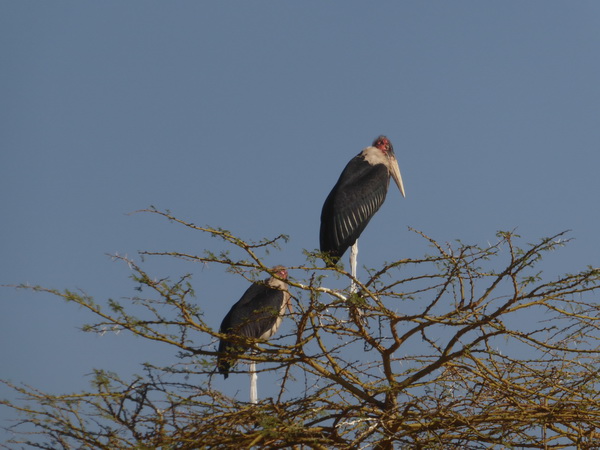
383, 144
281, 272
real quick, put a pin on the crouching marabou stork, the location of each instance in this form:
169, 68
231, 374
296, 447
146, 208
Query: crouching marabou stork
257, 315
358, 194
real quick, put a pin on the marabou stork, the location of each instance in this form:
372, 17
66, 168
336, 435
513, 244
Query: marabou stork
257, 315
358, 194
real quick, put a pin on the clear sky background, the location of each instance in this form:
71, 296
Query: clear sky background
242, 115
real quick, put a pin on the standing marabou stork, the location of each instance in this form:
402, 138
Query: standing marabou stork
257, 315
355, 198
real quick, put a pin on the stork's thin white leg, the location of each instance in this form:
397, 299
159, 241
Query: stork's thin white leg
253, 383
353, 259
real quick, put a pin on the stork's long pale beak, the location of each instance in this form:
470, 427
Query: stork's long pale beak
395, 171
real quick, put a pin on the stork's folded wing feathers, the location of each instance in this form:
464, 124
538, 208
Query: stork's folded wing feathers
356, 197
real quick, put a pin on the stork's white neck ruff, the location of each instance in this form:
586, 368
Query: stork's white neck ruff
375, 156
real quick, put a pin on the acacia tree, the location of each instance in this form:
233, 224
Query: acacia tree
441, 363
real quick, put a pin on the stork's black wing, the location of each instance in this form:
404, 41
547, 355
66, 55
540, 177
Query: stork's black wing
254, 314
356, 197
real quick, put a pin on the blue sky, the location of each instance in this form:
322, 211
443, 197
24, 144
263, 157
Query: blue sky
242, 115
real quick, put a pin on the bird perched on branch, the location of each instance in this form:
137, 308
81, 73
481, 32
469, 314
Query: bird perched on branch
257, 315
358, 194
